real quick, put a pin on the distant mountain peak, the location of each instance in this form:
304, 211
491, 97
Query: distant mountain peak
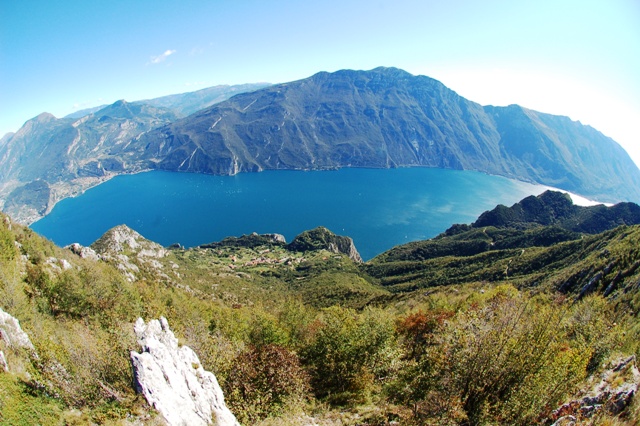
44, 117
392, 71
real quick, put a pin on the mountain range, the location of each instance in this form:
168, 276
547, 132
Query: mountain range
381, 118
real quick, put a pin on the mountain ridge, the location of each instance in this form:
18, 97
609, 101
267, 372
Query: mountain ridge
383, 118
78, 151
388, 118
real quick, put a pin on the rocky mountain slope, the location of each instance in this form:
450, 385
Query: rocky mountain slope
387, 117
381, 118
49, 159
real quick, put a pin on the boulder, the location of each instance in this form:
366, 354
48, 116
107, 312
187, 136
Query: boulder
173, 381
83, 252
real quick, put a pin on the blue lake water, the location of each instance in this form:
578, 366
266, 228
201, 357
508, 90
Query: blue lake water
378, 208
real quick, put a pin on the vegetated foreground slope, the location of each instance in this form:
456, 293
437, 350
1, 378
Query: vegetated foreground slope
505, 335
384, 118
544, 241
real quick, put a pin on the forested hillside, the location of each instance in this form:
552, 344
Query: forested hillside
302, 333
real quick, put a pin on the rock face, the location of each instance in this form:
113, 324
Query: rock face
386, 118
173, 381
613, 393
322, 239
83, 252
11, 333
12, 336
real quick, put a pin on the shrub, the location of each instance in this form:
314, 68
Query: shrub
265, 330
263, 381
419, 330
350, 353
418, 378
510, 358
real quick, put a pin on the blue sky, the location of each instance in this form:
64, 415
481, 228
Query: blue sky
575, 58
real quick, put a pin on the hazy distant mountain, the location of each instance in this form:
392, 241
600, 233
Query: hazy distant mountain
187, 103
389, 118
59, 149
49, 158
382, 118
184, 104
66, 155
82, 112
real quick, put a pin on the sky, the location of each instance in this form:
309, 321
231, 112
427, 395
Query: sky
577, 58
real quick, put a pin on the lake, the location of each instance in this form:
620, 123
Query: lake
378, 208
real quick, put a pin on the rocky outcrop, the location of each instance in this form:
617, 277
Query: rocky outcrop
249, 241
121, 239
173, 381
11, 333
82, 251
321, 238
129, 251
12, 336
612, 393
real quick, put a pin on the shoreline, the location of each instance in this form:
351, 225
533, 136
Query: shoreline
73, 189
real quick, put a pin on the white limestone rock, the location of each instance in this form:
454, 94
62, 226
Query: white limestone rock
3, 363
122, 239
11, 333
612, 393
83, 252
129, 251
173, 381
12, 336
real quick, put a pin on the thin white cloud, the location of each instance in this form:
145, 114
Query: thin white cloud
162, 57
198, 50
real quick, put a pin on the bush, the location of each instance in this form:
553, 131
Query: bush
418, 378
510, 359
263, 381
350, 353
265, 330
